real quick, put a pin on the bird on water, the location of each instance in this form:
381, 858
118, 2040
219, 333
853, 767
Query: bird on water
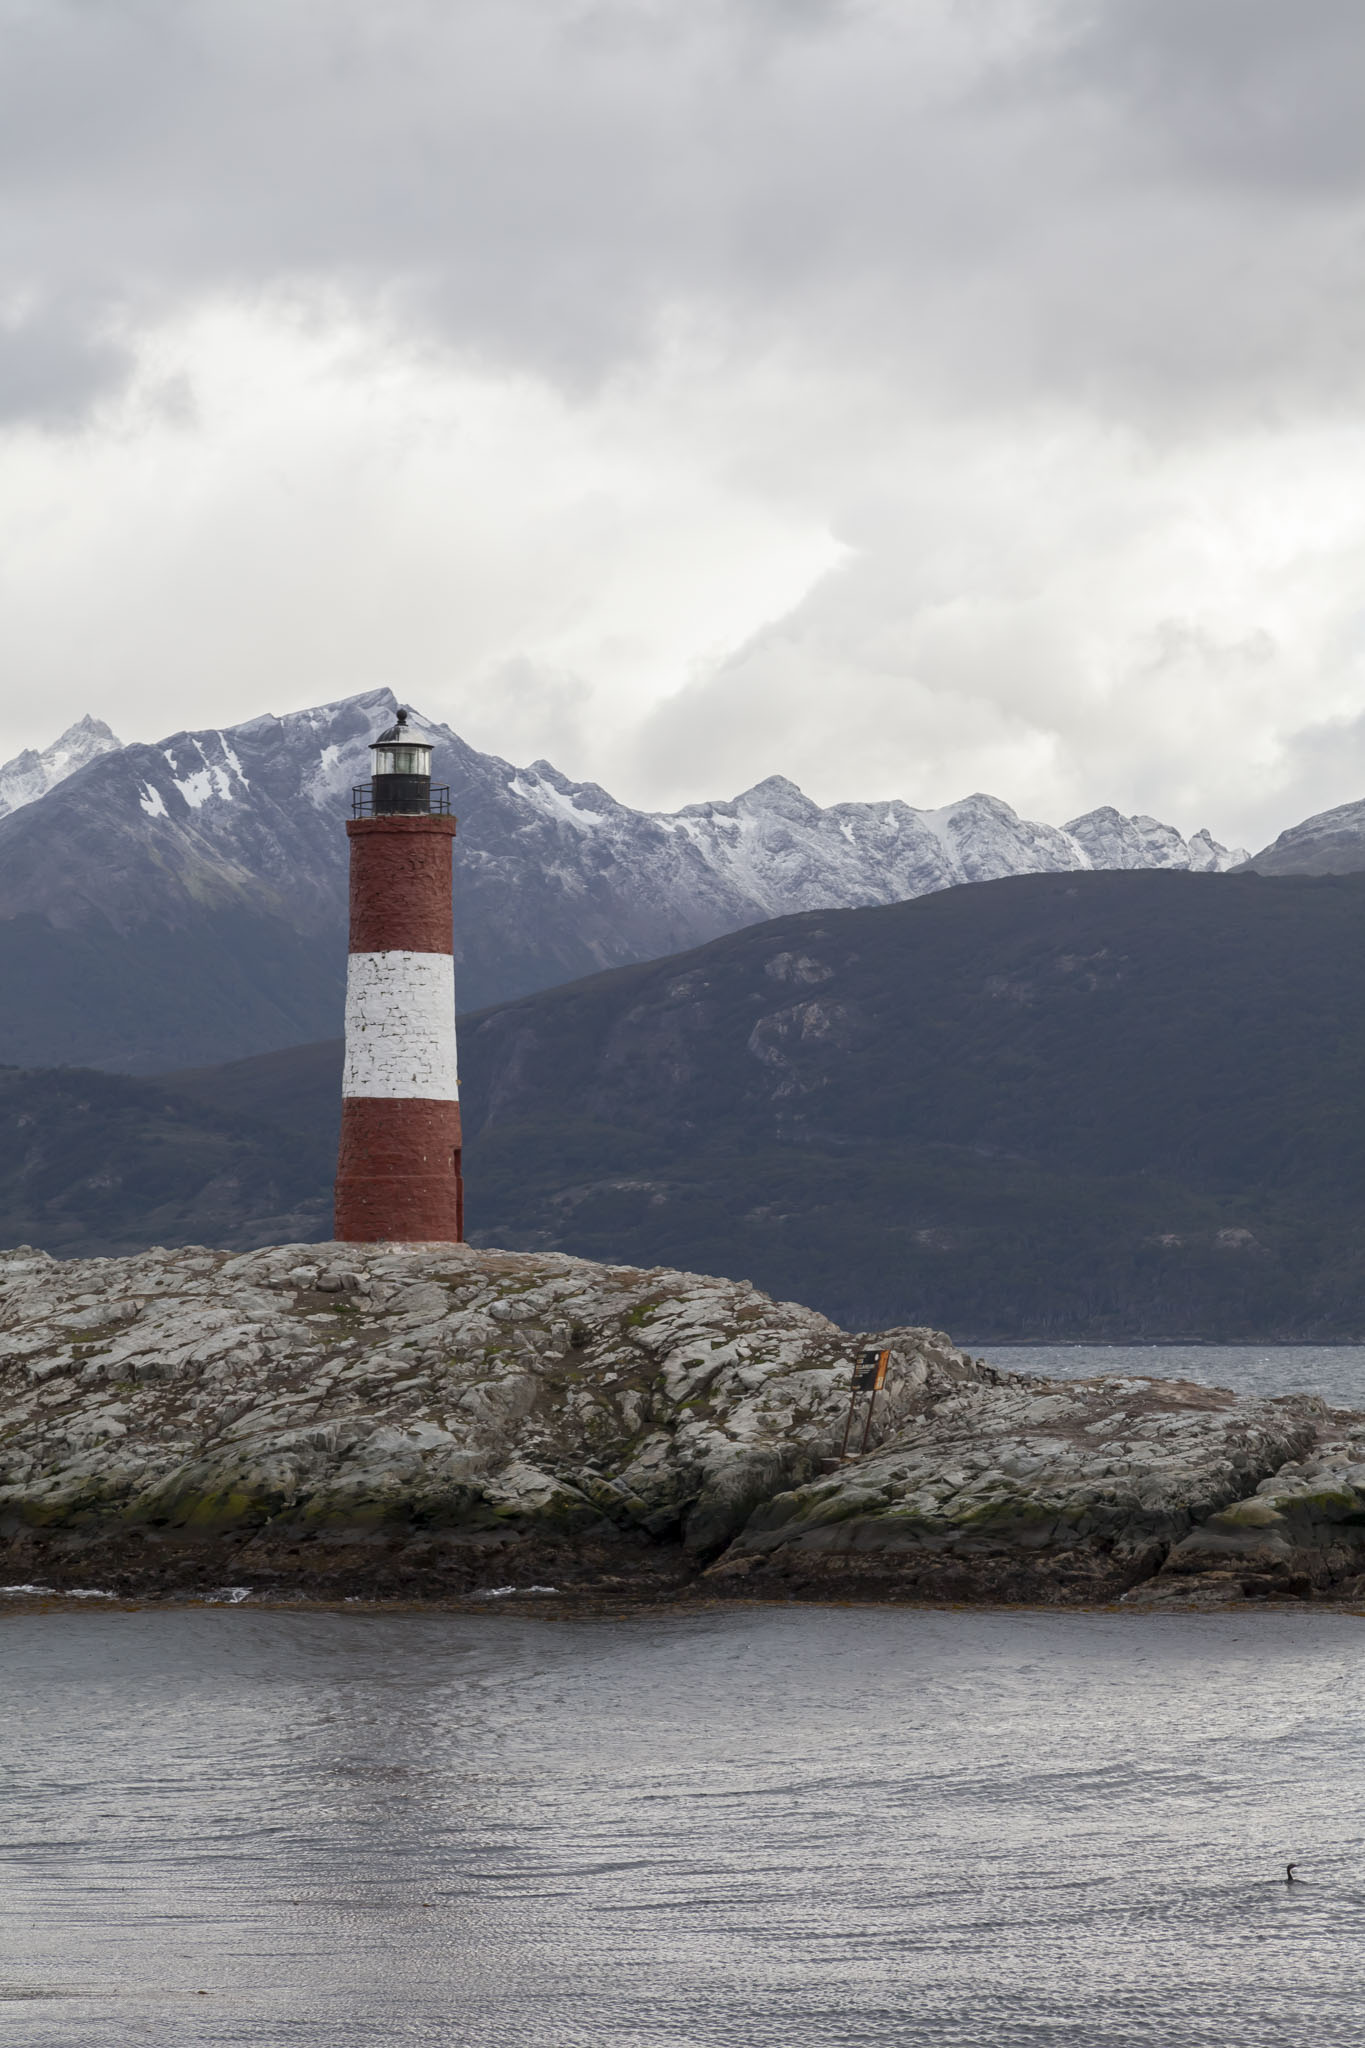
1289, 1876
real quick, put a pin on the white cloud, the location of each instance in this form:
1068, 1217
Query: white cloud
322, 509
1063, 616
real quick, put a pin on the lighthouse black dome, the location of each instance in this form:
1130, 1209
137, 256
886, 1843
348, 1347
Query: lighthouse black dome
395, 735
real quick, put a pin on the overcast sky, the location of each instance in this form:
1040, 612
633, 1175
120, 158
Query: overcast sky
905, 396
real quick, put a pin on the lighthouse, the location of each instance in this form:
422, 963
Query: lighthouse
398, 1170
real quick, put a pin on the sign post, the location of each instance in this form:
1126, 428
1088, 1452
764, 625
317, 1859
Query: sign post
869, 1377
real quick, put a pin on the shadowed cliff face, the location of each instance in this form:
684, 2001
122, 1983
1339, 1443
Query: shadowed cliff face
437, 1421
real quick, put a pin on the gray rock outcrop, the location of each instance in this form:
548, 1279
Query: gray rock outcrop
1301, 1532
409, 1419
1026, 1490
436, 1421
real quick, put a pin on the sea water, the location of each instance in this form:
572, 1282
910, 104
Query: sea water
1336, 1371
763, 1826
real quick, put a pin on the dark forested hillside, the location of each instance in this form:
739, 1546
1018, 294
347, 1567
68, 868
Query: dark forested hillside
1127, 1104
96, 1163
1131, 1103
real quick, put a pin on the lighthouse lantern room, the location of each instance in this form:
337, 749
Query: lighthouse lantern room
400, 783
398, 1169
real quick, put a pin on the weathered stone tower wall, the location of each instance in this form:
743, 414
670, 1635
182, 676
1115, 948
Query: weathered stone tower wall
398, 1173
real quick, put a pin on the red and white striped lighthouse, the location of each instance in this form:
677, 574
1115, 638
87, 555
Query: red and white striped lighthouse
398, 1172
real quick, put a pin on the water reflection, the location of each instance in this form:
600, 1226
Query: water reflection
756, 1826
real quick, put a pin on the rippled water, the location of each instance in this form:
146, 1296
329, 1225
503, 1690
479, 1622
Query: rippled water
1336, 1371
758, 1826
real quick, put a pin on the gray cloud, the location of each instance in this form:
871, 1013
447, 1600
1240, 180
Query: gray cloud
1249, 92
1048, 313
55, 363
1127, 202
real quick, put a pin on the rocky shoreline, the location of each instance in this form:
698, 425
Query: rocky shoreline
435, 1423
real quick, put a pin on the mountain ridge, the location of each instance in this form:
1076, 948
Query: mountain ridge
32, 774
184, 902
1330, 842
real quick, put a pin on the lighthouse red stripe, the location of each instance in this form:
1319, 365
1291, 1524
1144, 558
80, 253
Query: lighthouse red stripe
400, 884
398, 1171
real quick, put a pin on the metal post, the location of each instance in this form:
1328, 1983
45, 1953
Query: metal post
853, 1395
867, 1426
879, 1380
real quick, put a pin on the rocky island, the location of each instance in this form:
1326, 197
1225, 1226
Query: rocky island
438, 1422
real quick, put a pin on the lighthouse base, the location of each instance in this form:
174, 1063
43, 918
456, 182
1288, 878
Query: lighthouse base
398, 1172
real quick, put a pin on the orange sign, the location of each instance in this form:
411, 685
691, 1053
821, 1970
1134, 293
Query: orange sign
872, 1378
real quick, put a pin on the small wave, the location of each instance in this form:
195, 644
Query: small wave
501, 1592
63, 1592
228, 1596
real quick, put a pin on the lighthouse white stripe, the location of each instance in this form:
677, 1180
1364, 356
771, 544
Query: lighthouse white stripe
400, 1026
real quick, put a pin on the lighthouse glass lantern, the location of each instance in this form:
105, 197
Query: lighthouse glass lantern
401, 776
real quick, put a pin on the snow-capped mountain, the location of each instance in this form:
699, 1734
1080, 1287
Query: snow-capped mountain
184, 902
780, 850
31, 775
1110, 840
1329, 843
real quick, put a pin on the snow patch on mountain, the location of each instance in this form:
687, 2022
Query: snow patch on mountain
546, 791
1110, 840
31, 774
218, 771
